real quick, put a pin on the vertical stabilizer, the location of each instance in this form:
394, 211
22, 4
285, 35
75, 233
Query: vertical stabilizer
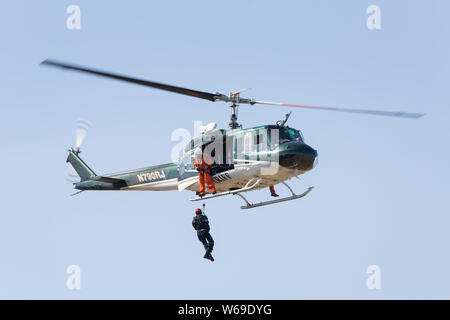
80, 167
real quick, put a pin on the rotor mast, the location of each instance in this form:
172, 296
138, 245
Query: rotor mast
234, 99
233, 123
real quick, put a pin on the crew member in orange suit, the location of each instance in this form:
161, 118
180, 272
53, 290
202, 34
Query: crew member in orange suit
272, 191
203, 164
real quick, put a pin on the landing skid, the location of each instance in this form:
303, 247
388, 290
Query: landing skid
251, 184
265, 203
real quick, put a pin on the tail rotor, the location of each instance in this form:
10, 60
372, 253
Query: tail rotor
82, 128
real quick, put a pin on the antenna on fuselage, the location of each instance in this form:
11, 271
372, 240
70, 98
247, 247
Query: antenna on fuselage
281, 123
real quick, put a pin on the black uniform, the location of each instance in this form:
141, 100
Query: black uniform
201, 224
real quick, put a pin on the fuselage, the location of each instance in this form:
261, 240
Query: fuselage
240, 155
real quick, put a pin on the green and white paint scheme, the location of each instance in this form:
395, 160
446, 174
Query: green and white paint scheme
247, 162
240, 155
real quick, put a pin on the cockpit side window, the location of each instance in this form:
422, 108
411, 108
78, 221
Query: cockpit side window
285, 136
296, 134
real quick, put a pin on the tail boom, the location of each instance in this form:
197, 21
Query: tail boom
162, 177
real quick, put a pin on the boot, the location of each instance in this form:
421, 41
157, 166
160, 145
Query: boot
208, 256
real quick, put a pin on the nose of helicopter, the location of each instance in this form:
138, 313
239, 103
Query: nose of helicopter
299, 156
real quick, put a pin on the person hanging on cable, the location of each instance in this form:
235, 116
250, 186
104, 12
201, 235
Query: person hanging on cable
203, 163
201, 225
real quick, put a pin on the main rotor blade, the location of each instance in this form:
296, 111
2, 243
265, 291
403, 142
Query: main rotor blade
216, 96
373, 112
157, 85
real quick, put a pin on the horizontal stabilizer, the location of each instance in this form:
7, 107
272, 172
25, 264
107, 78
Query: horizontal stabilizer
110, 180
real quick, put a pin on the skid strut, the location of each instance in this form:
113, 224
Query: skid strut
265, 203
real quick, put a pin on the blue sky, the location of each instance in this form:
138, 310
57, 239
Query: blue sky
381, 185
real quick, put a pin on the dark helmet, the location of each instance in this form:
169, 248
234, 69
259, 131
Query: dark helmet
198, 211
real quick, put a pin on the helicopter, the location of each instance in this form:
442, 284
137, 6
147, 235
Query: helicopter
245, 159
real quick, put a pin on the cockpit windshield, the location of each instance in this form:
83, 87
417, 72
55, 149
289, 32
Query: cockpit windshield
288, 134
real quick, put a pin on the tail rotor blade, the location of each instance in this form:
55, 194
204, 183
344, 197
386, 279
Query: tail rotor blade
72, 175
83, 126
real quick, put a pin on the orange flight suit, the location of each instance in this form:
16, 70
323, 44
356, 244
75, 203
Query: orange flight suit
204, 174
